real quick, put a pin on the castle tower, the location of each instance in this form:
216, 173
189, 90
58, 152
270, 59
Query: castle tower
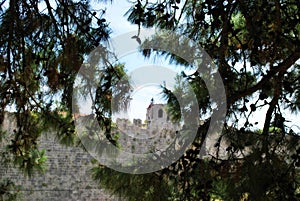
156, 115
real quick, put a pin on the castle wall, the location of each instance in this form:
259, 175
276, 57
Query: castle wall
67, 177
68, 168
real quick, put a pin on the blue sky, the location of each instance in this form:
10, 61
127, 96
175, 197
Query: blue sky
141, 97
144, 91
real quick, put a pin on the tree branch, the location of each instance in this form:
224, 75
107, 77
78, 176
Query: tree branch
286, 64
273, 103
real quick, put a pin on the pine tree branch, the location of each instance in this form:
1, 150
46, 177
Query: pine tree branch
282, 67
273, 103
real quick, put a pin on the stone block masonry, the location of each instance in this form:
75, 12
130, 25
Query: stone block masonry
67, 177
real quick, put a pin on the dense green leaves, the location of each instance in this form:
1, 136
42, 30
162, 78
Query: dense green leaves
255, 45
155, 187
42, 47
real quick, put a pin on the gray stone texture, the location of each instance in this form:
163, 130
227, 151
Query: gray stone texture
67, 177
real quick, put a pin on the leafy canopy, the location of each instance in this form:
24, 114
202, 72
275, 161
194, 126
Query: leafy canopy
255, 45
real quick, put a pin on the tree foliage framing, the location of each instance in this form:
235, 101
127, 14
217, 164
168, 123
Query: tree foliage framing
255, 45
42, 46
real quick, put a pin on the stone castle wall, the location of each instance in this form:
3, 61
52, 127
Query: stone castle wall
67, 177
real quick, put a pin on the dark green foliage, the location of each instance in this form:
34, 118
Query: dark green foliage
129, 186
42, 47
255, 45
